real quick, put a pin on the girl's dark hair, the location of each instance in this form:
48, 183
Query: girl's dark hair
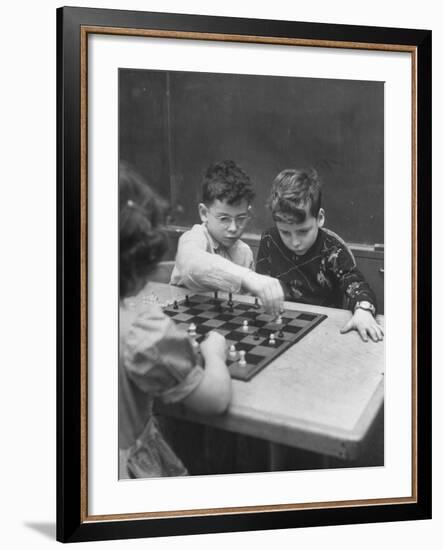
225, 180
294, 192
142, 239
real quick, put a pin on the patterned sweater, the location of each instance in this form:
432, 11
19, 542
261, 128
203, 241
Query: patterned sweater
326, 275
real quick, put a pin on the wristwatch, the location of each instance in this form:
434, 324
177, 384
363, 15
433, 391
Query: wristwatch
364, 304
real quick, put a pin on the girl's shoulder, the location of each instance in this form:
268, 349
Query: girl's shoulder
143, 327
157, 354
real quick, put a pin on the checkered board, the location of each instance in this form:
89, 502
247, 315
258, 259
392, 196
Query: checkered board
208, 314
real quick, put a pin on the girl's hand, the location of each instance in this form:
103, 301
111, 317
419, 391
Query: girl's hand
214, 344
364, 322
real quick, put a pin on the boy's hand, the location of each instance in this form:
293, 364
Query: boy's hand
214, 344
364, 322
267, 289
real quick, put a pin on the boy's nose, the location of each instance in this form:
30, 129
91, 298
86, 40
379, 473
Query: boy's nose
233, 225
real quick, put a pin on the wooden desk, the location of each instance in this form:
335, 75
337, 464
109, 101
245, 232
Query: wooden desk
321, 395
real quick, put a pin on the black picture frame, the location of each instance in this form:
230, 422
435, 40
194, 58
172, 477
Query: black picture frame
72, 518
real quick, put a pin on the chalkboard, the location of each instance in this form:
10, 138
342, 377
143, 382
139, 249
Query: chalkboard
266, 124
143, 126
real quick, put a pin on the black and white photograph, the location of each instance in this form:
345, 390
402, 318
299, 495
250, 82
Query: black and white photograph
251, 273
219, 233
243, 243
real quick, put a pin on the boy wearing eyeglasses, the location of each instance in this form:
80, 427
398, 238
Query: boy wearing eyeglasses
313, 264
211, 255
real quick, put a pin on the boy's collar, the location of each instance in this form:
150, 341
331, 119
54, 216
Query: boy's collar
214, 244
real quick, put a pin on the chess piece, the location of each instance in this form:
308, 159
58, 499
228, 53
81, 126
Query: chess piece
192, 330
230, 302
232, 352
245, 326
175, 304
242, 360
187, 300
256, 304
280, 333
279, 320
272, 339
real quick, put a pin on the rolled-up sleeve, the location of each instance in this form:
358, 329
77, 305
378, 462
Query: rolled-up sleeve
197, 268
159, 358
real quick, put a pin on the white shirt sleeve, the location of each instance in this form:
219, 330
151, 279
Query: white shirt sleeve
198, 268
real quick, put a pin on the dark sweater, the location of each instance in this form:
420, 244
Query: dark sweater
326, 275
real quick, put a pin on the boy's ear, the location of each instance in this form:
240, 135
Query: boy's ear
321, 217
203, 212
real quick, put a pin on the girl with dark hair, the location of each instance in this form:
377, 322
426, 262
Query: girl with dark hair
156, 359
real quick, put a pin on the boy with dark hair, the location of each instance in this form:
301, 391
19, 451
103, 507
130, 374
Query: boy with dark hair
211, 255
313, 264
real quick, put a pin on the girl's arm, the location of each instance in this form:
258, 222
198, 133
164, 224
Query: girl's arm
213, 394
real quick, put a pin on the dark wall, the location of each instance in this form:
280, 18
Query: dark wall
143, 125
174, 124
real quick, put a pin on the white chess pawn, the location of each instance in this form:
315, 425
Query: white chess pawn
242, 360
192, 330
272, 339
232, 352
245, 325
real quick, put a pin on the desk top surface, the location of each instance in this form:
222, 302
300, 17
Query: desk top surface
321, 394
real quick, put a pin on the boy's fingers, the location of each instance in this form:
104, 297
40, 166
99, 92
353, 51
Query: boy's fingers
379, 332
363, 335
271, 299
346, 328
373, 334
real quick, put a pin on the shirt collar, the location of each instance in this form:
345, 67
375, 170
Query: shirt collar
213, 243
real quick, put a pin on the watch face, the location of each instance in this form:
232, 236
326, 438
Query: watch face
366, 306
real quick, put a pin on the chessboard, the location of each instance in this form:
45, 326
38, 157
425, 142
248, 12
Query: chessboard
246, 327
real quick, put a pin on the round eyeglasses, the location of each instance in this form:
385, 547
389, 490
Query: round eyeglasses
226, 221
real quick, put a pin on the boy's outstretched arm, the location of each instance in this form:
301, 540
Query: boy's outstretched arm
198, 269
